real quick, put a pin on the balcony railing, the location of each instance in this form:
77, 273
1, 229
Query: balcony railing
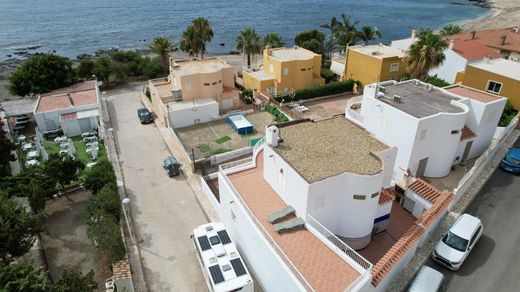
159, 80
347, 250
266, 235
354, 114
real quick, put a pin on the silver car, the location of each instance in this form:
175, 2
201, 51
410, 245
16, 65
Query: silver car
458, 242
427, 280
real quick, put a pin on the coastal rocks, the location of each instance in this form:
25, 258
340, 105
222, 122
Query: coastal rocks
84, 57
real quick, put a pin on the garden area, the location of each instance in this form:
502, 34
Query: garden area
207, 139
80, 147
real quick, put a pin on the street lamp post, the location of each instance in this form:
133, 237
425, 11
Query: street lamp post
125, 202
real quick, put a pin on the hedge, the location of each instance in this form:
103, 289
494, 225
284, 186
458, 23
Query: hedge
278, 115
320, 90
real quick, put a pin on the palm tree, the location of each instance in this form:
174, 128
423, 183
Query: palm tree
427, 53
450, 29
162, 46
203, 34
331, 42
187, 43
346, 32
273, 40
367, 34
248, 42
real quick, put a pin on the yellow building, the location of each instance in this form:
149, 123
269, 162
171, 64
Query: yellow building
497, 76
285, 69
369, 64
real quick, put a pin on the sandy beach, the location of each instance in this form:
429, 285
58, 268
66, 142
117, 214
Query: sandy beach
506, 14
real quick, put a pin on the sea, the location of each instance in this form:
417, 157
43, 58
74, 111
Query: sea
74, 27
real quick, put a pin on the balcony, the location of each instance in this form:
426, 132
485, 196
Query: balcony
311, 254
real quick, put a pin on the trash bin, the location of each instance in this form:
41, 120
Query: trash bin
172, 166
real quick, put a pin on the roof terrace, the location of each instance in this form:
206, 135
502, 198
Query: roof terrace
320, 267
326, 148
195, 66
418, 99
472, 93
378, 51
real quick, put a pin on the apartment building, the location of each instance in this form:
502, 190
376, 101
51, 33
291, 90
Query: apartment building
373, 63
432, 128
285, 69
498, 76
196, 91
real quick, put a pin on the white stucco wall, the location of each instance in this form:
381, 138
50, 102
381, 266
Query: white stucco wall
403, 44
448, 69
286, 182
187, 116
268, 268
42, 117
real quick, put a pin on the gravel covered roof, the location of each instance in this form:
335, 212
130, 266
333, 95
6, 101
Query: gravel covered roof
326, 148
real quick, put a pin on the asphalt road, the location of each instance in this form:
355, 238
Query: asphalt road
494, 263
164, 209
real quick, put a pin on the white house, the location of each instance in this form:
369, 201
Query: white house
458, 54
73, 109
327, 178
432, 128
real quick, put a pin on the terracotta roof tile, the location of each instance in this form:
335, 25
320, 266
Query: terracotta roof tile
425, 190
493, 38
386, 196
473, 50
79, 94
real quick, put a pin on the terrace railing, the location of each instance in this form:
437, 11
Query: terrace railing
266, 235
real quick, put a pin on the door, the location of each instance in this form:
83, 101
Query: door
466, 151
421, 168
408, 204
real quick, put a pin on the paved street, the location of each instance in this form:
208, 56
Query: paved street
164, 209
494, 263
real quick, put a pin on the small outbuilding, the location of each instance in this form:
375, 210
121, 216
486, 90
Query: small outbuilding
240, 124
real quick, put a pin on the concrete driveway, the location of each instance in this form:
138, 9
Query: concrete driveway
164, 210
494, 263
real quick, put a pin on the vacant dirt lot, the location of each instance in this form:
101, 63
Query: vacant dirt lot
65, 239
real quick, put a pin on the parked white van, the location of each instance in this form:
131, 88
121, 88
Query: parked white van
458, 242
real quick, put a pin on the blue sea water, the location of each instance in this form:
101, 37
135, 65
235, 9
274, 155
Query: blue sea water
72, 27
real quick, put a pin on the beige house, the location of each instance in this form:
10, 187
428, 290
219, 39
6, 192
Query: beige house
196, 91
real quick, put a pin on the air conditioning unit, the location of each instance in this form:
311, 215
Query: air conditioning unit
415, 82
295, 47
382, 89
177, 93
429, 87
374, 53
397, 98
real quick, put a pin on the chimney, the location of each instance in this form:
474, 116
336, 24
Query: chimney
503, 40
414, 34
452, 43
473, 34
70, 99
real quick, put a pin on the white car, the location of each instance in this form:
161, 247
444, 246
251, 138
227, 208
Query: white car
458, 242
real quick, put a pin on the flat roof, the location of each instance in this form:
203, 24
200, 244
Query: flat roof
326, 148
378, 51
20, 106
197, 102
291, 54
79, 94
501, 67
321, 267
194, 66
472, 93
260, 74
417, 100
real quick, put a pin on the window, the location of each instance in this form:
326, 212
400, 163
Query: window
374, 195
474, 236
454, 132
206, 84
285, 90
422, 135
455, 241
394, 67
360, 197
220, 81
302, 69
214, 83
271, 68
285, 71
494, 87
187, 86
214, 240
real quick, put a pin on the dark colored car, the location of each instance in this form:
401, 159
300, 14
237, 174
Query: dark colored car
144, 116
171, 165
511, 161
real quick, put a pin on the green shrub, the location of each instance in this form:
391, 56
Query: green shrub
99, 175
507, 115
153, 69
436, 81
320, 90
105, 203
328, 74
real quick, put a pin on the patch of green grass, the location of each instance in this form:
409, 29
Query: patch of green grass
203, 148
81, 149
222, 139
221, 150
248, 134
